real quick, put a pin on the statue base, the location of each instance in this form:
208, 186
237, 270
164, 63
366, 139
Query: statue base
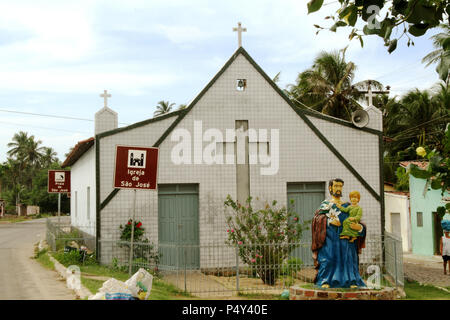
299, 293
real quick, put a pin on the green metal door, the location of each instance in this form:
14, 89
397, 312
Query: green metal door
178, 233
307, 198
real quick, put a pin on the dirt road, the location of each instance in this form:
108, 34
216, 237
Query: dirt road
21, 277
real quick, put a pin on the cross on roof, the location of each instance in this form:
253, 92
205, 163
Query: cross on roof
239, 30
105, 95
371, 93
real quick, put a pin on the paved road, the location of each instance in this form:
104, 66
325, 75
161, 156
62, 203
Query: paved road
21, 277
429, 270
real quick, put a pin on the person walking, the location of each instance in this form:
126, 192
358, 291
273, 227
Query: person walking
445, 249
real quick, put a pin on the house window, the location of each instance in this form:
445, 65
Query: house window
419, 219
88, 203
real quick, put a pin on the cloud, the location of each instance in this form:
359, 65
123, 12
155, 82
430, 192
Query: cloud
183, 34
75, 80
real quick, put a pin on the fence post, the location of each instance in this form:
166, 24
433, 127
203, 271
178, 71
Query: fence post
130, 270
237, 269
185, 257
395, 262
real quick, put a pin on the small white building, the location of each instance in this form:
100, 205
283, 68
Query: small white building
289, 153
398, 216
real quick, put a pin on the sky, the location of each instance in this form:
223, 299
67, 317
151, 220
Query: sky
57, 57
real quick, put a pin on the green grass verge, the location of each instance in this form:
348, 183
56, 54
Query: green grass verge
44, 259
14, 219
160, 289
91, 284
260, 296
415, 291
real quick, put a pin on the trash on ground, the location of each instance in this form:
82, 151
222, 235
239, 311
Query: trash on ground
140, 284
113, 289
118, 296
285, 294
98, 296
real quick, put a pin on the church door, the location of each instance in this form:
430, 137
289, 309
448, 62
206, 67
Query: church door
178, 226
307, 198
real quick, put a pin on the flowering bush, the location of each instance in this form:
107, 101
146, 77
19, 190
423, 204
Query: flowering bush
143, 250
264, 237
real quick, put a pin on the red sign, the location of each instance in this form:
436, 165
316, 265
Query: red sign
136, 168
58, 181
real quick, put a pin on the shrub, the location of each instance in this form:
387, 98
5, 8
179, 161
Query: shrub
144, 251
264, 237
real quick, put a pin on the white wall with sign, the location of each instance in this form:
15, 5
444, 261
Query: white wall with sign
82, 197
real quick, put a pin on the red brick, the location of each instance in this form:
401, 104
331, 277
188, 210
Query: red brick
322, 294
334, 295
350, 294
299, 292
309, 293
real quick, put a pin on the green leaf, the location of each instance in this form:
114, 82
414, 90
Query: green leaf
418, 29
314, 5
392, 45
361, 41
368, 31
352, 17
337, 25
447, 206
419, 173
388, 32
436, 184
441, 211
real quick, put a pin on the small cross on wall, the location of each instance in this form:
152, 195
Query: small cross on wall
105, 95
239, 30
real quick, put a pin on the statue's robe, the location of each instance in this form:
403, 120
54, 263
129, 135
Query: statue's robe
336, 260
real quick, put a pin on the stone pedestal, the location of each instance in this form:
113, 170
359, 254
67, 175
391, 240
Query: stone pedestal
298, 293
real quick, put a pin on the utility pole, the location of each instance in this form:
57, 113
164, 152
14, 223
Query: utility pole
370, 93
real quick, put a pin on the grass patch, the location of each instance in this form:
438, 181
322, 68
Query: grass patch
73, 258
415, 291
13, 219
160, 289
260, 296
91, 284
165, 291
104, 271
44, 259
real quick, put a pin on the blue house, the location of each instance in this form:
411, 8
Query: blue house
426, 229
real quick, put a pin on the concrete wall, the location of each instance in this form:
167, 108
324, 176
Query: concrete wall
427, 203
302, 158
398, 203
82, 177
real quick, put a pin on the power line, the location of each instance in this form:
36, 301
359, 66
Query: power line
418, 135
420, 125
51, 116
45, 128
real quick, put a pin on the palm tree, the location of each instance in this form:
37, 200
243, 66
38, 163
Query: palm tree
48, 157
327, 86
25, 150
182, 106
421, 120
163, 107
19, 140
33, 152
441, 55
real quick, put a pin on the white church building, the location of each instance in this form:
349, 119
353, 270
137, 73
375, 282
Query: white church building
289, 153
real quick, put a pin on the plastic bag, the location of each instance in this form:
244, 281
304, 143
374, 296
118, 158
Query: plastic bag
114, 286
118, 296
97, 296
139, 283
